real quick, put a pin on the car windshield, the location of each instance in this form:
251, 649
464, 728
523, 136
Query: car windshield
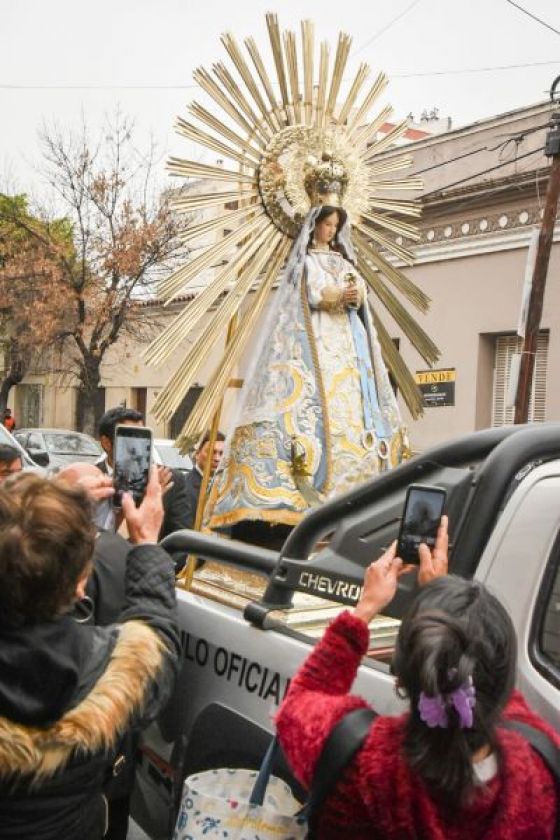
71, 444
171, 457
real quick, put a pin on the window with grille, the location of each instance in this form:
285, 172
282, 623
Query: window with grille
506, 347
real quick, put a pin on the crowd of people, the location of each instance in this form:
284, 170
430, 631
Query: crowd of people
90, 647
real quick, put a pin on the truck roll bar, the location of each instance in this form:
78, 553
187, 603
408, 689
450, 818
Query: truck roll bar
233, 553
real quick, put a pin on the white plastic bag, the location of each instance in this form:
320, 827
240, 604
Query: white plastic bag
221, 803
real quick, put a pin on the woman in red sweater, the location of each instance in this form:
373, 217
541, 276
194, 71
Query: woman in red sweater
445, 770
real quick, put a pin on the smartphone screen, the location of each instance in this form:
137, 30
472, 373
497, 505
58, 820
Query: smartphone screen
422, 513
132, 455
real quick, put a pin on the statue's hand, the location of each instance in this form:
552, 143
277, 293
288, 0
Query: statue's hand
351, 296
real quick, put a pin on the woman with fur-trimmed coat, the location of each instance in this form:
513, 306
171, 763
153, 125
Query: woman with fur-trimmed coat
68, 692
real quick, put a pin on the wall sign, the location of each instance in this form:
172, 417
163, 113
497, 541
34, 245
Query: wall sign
437, 387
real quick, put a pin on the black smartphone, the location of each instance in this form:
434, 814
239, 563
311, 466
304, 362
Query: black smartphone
132, 459
423, 509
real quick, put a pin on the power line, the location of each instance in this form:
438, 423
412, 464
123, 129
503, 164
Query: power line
474, 69
482, 172
531, 15
386, 27
98, 87
448, 72
516, 137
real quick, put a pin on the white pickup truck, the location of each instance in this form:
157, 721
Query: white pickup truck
252, 614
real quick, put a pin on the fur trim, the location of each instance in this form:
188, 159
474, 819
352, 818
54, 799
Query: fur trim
96, 723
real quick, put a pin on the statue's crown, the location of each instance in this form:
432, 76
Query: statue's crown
325, 180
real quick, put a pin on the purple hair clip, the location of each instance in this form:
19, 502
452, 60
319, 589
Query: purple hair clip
433, 710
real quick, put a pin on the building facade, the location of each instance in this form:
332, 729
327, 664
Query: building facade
483, 197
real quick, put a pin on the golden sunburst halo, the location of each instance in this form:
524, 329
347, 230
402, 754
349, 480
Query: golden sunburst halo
273, 130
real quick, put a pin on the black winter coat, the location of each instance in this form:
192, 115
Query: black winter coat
106, 583
193, 483
67, 693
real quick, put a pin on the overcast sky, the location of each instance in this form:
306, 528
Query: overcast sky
56, 56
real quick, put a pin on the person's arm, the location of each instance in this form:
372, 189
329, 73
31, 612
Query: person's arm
150, 590
318, 695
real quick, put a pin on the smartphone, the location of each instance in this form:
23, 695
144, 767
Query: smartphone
423, 509
132, 459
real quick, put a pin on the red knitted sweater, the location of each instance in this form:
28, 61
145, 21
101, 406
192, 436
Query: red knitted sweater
380, 796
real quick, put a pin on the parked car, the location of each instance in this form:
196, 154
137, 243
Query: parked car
54, 448
166, 453
10, 440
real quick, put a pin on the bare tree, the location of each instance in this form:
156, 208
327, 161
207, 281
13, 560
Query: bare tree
123, 235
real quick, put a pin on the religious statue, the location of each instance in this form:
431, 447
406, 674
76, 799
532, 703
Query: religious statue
318, 413
314, 227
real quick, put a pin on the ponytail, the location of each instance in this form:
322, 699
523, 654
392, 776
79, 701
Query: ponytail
455, 660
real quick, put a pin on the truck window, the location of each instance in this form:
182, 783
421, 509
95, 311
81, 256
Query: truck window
550, 641
546, 626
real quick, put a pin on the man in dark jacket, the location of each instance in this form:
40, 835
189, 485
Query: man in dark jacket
175, 495
69, 691
105, 589
194, 478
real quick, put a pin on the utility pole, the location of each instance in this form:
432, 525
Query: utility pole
534, 312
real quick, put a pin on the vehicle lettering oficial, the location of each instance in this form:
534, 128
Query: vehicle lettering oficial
246, 674
330, 586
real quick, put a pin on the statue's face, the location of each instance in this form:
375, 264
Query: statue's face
325, 231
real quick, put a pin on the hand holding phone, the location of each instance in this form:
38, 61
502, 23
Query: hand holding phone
423, 509
144, 522
434, 562
132, 458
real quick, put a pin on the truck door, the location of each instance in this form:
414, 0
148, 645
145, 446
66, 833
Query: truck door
521, 565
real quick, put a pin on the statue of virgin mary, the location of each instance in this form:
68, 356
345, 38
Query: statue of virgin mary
317, 414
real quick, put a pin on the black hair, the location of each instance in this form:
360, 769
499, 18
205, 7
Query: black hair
206, 438
117, 415
454, 630
325, 211
8, 453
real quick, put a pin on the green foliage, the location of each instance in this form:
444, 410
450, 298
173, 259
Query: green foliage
18, 226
